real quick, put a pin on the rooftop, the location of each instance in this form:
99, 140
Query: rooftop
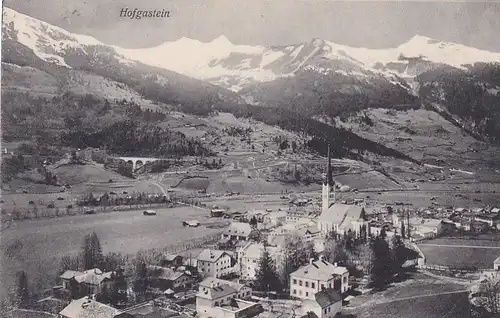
255, 250
166, 273
209, 255
212, 281
238, 228
92, 276
319, 270
88, 308
217, 292
327, 297
342, 213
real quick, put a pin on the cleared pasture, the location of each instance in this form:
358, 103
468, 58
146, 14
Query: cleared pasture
458, 252
37, 246
420, 296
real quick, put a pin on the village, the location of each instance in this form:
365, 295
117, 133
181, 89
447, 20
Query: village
303, 260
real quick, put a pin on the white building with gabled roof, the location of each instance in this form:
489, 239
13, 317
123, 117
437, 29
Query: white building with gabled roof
316, 276
237, 231
215, 263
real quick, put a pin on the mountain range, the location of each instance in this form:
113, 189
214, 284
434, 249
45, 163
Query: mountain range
317, 79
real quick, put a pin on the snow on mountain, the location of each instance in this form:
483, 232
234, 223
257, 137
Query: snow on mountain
236, 66
47, 41
203, 60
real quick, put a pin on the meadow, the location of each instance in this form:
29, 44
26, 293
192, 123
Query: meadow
467, 252
418, 297
37, 246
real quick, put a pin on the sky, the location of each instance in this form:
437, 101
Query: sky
371, 24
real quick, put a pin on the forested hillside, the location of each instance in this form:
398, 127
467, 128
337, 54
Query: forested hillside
473, 96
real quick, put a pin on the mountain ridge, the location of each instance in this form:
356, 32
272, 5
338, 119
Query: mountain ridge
236, 66
318, 78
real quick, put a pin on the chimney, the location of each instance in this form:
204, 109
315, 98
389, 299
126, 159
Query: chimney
311, 260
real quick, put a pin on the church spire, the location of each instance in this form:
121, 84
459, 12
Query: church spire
327, 184
328, 180
329, 175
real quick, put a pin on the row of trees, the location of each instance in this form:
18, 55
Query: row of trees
107, 199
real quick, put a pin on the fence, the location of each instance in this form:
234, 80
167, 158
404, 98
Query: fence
37, 212
156, 255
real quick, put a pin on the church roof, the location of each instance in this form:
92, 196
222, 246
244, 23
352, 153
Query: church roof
342, 214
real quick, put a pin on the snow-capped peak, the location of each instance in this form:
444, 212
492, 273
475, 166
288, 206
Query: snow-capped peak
233, 66
47, 41
221, 41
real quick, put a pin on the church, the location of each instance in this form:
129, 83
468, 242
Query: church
342, 218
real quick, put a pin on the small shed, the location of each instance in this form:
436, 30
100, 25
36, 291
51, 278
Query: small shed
496, 264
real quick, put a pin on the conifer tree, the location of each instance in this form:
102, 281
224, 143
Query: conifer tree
22, 296
381, 266
92, 252
266, 277
399, 255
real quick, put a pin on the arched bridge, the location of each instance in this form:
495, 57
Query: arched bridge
138, 162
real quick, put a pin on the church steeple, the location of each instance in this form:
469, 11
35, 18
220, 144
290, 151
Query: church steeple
327, 183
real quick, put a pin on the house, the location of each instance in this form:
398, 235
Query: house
166, 278
375, 229
492, 219
219, 298
91, 281
275, 219
309, 233
475, 226
342, 218
242, 291
87, 307
249, 255
216, 213
258, 214
495, 210
172, 260
215, 263
317, 276
326, 304
299, 216
428, 228
237, 231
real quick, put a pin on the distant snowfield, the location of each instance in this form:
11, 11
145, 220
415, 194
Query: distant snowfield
228, 64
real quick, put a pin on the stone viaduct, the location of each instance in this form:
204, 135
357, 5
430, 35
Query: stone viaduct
138, 162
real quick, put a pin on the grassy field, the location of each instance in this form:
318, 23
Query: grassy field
82, 179
418, 297
454, 305
467, 252
37, 246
